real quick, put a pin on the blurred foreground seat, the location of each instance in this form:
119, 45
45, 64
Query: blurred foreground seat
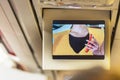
14, 74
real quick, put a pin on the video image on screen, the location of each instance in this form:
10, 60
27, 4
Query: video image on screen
78, 39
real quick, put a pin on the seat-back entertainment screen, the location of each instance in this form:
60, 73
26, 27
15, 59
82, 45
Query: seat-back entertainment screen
78, 39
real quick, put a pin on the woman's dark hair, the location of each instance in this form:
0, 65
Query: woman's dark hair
71, 26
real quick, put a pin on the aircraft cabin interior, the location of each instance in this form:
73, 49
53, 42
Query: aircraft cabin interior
60, 39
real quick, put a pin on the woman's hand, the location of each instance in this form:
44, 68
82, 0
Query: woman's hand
94, 46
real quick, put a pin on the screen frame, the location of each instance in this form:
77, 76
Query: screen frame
85, 57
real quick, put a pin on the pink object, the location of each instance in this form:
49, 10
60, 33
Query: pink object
90, 38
